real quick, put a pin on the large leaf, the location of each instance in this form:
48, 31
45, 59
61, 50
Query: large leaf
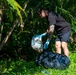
16, 6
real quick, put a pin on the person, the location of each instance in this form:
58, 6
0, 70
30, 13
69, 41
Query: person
61, 26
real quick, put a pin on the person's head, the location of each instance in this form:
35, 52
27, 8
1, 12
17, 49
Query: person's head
42, 12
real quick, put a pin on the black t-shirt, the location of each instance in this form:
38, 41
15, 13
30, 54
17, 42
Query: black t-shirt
61, 25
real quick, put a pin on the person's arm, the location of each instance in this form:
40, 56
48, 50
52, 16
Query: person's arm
52, 22
50, 33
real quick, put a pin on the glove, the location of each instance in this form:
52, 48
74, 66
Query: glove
46, 44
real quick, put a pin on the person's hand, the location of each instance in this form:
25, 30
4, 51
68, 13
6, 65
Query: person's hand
47, 31
46, 44
39, 51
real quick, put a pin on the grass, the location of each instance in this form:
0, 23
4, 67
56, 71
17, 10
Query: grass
21, 67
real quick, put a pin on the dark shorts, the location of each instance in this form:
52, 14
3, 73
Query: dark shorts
65, 37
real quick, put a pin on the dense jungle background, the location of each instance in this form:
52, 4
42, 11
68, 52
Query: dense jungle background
19, 22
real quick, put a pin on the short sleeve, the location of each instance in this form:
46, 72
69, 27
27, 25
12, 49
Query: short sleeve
51, 19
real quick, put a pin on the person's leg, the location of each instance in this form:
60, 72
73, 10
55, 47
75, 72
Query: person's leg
58, 47
65, 39
65, 48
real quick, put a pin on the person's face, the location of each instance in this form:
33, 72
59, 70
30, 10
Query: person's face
42, 15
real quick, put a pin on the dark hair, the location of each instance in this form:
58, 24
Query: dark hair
40, 10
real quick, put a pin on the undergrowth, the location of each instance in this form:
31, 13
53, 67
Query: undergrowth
21, 67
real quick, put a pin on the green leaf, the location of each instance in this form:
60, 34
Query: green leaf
11, 16
16, 6
74, 28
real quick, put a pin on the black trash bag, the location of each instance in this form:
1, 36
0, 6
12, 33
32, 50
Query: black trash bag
52, 60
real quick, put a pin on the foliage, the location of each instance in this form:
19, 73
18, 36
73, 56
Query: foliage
17, 56
21, 67
16, 6
18, 45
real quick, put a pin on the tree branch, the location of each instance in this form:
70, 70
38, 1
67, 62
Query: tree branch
1, 26
12, 28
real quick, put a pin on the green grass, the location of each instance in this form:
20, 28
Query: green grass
21, 67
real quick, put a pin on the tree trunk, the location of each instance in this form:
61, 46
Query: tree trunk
8, 35
12, 28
